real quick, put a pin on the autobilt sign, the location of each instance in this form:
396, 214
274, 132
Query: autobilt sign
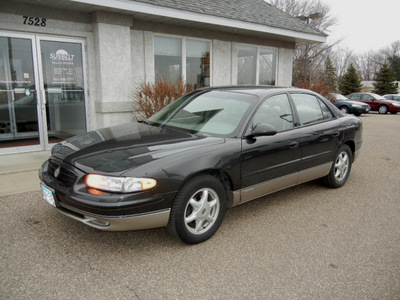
62, 57
62, 65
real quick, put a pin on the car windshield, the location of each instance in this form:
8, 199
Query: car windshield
378, 97
214, 113
340, 97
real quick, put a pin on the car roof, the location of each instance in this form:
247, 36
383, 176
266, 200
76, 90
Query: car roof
257, 90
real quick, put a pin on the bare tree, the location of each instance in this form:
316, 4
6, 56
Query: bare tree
368, 64
311, 55
342, 58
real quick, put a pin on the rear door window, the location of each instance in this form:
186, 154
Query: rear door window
310, 109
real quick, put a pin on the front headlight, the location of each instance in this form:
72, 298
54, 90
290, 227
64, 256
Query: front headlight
356, 105
119, 184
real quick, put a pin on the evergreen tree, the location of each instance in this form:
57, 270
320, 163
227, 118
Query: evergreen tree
330, 79
395, 64
385, 81
350, 82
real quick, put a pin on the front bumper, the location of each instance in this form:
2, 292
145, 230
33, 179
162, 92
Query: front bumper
104, 211
393, 108
360, 110
135, 222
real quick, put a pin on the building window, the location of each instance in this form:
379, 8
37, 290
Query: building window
256, 65
247, 63
267, 66
168, 58
181, 58
198, 62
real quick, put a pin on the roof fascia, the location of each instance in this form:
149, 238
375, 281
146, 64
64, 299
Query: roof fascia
202, 18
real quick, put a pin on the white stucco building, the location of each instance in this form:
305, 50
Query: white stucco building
70, 66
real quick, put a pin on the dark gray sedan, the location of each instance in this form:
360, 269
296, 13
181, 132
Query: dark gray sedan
209, 150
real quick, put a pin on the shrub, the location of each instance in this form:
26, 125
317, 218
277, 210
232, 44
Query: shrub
151, 97
317, 86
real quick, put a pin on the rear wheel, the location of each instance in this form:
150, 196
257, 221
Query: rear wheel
340, 169
198, 210
383, 109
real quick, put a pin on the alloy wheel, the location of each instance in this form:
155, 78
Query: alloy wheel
202, 211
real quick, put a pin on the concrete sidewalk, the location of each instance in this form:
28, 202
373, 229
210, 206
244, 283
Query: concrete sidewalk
19, 172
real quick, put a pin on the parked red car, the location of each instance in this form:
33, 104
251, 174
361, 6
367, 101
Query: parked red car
377, 103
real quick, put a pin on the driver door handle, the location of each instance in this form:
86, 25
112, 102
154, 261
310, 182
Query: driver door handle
294, 145
335, 134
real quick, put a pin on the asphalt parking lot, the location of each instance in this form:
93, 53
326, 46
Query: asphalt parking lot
307, 242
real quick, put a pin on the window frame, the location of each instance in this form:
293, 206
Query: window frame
183, 54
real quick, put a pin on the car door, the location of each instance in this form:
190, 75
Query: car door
368, 99
320, 134
270, 163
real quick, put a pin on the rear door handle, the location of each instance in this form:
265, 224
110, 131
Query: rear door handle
335, 134
294, 145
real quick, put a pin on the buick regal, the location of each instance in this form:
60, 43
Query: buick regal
210, 150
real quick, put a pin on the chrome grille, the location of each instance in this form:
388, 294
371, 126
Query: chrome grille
61, 174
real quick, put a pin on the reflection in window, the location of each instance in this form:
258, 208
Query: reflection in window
168, 58
267, 67
62, 65
275, 111
256, 65
168, 54
247, 57
310, 109
198, 62
211, 113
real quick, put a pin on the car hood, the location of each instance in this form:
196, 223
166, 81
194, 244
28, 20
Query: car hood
117, 149
387, 101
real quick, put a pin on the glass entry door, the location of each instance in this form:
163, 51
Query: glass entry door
42, 91
19, 122
63, 88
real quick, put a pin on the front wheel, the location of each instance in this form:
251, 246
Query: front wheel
198, 210
340, 169
344, 109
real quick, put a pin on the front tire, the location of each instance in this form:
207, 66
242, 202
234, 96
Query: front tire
340, 169
344, 109
198, 210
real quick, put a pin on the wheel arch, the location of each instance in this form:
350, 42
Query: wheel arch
352, 147
221, 175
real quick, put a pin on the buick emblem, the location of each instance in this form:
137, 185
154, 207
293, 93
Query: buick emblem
57, 172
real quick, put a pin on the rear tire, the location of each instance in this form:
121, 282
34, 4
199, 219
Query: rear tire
340, 169
198, 210
383, 109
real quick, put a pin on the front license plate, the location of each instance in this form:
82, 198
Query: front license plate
48, 195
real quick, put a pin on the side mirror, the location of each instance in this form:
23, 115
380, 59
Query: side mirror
262, 129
